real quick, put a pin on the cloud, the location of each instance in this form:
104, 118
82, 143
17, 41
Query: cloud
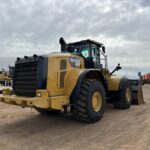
34, 26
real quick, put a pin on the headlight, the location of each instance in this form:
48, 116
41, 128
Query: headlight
39, 94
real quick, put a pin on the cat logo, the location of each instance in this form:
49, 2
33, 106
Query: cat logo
74, 62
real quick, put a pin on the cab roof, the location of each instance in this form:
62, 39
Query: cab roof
88, 41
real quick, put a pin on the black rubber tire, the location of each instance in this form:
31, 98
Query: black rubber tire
82, 107
120, 101
46, 111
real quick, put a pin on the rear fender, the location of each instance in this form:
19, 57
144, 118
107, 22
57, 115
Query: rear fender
87, 74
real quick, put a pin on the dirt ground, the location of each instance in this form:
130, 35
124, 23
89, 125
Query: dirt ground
25, 129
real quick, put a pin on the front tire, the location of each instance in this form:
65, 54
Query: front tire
91, 102
123, 97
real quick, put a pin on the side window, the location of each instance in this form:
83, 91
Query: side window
85, 53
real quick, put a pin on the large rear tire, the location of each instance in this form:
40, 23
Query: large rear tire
91, 102
123, 97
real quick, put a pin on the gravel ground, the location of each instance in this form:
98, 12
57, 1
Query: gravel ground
26, 129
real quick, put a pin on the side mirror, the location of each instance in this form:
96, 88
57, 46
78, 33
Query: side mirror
103, 49
118, 67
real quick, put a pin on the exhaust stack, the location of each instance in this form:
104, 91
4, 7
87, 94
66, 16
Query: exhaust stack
63, 45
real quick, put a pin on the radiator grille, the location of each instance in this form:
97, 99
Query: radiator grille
29, 75
63, 64
62, 77
63, 67
25, 81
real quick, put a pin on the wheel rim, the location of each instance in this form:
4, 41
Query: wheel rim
128, 94
96, 101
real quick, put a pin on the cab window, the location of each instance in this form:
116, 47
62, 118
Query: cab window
85, 53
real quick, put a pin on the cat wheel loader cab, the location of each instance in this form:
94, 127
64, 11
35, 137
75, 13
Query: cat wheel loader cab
76, 80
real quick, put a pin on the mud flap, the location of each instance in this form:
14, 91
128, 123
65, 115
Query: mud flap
137, 92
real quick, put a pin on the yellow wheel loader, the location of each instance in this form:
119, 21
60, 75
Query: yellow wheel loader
76, 80
5, 81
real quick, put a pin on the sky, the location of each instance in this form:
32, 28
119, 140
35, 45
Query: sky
35, 26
